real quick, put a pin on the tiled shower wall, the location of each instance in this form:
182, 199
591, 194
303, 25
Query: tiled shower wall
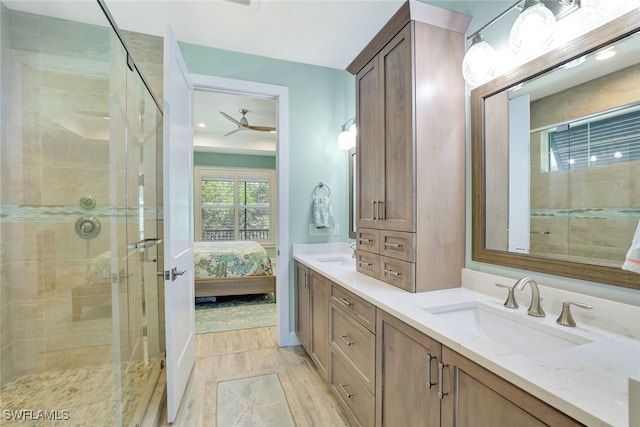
589, 213
57, 147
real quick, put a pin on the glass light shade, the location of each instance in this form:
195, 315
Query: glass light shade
347, 138
532, 32
479, 64
353, 131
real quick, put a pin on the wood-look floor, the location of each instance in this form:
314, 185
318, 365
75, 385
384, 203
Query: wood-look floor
224, 356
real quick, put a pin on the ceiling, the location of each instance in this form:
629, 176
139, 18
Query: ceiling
206, 110
328, 33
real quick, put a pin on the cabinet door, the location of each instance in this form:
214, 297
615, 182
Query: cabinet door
369, 150
398, 191
303, 305
477, 397
320, 294
406, 375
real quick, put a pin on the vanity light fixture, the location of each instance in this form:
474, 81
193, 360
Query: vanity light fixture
479, 63
530, 35
347, 137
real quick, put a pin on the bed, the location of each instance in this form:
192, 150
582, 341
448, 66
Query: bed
221, 269
232, 268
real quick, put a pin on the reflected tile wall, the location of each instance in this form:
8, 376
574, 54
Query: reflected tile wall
611, 193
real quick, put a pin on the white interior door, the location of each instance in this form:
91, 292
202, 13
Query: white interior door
178, 223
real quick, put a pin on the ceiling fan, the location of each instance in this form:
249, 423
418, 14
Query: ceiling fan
243, 124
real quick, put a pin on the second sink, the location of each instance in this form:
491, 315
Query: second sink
517, 333
337, 261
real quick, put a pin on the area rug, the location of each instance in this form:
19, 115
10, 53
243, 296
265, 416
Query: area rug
235, 312
255, 401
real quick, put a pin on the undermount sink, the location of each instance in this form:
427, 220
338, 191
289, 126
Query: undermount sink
337, 261
525, 336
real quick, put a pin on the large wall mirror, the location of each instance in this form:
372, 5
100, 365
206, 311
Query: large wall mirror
556, 159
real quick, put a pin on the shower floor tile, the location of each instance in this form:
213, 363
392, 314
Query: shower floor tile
81, 396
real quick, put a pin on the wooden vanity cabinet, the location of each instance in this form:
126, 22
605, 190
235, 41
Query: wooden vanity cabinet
406, 375
320, 289
410, 148
352, 342
412, 391
478, 397
302, 279
312, 311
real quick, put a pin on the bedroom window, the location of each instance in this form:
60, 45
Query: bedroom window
235, 205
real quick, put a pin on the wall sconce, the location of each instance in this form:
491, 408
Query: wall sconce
347, 137
530, 36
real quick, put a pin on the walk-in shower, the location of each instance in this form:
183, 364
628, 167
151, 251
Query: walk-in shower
81, 336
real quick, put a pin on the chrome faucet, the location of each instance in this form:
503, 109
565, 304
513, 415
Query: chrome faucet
535, 308
352, 245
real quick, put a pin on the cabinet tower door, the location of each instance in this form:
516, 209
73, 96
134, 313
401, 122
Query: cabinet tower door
398, 191
369, 150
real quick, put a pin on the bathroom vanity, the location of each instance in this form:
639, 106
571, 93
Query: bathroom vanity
458, 356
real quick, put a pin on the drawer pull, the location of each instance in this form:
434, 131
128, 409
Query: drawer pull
393, 273
344, 388
346, 341
363, 240
441, 393
366, 264
375, 209
346, 302
392, 245
429, 370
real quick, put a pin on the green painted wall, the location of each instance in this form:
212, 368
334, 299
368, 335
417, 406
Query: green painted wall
320, 100
233, 160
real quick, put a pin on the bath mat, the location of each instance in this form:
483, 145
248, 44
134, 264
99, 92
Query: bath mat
235, 312
255, 401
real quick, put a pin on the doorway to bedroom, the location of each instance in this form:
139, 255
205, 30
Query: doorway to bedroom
235, 211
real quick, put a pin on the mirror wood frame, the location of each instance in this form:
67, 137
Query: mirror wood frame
592, 41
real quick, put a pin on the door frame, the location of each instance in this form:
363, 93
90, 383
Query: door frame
281, 95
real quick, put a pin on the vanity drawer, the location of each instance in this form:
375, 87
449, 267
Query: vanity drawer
396, 244
368, 239
355, 343
401, 274
368, 263
356, 307
354, 396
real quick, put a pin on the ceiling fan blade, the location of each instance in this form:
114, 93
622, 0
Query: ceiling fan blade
263, 128
232, 119
238, 129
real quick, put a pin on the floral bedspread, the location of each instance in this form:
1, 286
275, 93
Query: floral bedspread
231, 259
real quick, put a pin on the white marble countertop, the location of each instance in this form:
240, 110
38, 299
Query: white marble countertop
589, 382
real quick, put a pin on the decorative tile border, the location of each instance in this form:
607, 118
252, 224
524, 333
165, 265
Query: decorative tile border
60, 213
588, 213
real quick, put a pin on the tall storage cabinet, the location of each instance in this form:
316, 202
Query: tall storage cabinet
410, 112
